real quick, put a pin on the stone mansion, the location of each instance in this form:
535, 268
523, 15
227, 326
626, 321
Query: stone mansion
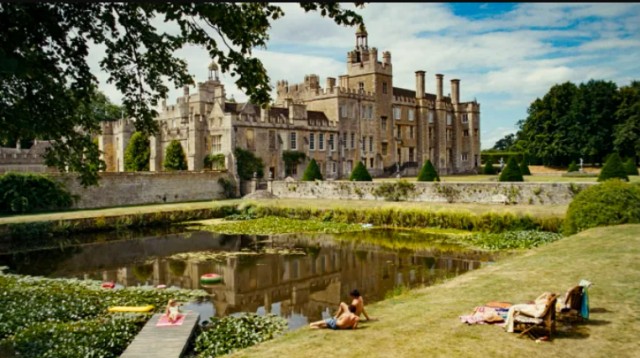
360, 116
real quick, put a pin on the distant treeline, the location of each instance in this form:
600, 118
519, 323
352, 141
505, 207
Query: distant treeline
589, 121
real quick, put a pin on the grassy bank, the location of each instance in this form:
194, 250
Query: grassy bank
425, 321
476, 217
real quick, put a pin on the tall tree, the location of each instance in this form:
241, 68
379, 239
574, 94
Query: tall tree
45, 75
570, 122
595, 106
505, 143
627, 131
550, 123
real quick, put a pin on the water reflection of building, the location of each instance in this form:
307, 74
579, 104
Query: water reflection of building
308, 284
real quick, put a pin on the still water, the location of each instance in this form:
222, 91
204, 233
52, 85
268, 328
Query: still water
302, 278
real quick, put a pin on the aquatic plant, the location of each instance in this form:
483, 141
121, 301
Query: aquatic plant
513, 239
225, 335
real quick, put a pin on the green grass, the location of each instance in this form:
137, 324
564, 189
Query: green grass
425, 321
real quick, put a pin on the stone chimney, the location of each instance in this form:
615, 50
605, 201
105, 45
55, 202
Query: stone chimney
455, 91
439, 87
419, 84
331, 83
185, 91
386, 58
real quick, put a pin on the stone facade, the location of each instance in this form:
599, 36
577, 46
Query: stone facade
25, 160
487, 193
388, 127
361, 117
119, 189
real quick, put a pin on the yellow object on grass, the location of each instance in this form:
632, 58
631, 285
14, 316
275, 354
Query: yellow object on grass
146, 308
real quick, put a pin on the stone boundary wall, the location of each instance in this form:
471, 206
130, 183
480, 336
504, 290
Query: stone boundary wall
443, 192
139, 188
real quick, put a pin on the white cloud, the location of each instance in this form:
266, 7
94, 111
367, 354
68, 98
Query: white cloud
504, 60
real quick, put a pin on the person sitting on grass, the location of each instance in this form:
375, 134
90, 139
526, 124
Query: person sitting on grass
173, 311
356, 300
347, 320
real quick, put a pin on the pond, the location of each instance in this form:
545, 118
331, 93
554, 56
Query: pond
302, 278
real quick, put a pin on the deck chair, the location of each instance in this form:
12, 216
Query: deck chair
546, 320
575, 305
569, 308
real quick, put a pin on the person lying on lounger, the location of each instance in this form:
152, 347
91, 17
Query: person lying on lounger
531, 309
347, 320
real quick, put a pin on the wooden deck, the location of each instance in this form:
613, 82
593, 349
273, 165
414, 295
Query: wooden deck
162, 342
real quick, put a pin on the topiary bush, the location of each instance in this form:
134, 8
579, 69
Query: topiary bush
174, 158
573, 167
489, 169
137, 154
360, 173
511, 172
25, 193
524, 167
428, 172
613, 202
613, 168
312, 172
630, 167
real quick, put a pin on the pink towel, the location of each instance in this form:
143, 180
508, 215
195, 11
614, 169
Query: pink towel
164, 321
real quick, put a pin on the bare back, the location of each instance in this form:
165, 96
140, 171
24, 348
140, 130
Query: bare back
347, 320
359, 303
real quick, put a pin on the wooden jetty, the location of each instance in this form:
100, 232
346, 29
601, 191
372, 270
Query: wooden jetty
162, 342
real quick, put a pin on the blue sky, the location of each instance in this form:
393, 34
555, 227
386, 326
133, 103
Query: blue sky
505, 54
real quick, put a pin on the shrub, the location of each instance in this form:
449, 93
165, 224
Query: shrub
214, 161
360, 173
524, 167
613, 168
485, 155
428, 172
174, 158
291, 159
395, 191
511, 172
312, 172
137, 154
489, 169
610, 203
228, 187
24, 193
247, 164
630, 167
573, 167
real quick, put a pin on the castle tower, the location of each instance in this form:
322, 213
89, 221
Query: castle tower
366, 73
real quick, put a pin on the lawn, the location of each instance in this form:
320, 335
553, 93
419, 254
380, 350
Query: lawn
424, 322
